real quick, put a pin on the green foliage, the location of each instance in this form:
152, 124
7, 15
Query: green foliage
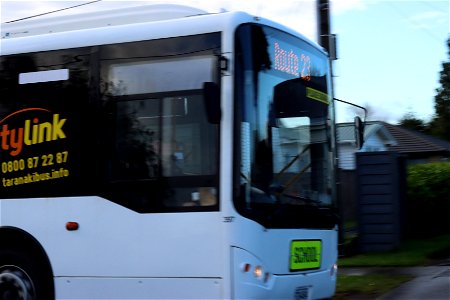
429, 181
440, 125
410, 121
414, 252
428, 200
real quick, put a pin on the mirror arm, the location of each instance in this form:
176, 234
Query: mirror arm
359, 125
353, 104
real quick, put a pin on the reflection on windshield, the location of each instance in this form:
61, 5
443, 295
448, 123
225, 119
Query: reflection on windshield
289, 169
299, 163
286, 157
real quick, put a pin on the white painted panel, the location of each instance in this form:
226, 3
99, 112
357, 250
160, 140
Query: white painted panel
137, 288
113, 241
43, 76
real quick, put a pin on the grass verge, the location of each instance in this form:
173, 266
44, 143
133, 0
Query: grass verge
410, 253
368, 286
417, 252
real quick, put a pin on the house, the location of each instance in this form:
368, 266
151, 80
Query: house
381, 136
414, 146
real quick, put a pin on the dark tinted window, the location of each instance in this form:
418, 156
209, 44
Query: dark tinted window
47, 139
164, 152
126, 122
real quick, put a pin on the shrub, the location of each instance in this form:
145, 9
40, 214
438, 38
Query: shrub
428, 199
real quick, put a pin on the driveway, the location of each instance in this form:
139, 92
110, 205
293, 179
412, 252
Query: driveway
431, 283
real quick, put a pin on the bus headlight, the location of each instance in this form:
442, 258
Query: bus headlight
252, 269
258, 272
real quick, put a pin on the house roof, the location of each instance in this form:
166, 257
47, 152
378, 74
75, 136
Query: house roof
411, 141
396, 138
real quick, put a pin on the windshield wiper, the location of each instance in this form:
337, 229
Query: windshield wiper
298, 156
282, 188
301, 198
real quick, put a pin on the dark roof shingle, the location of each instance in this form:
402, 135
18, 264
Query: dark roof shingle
410, 141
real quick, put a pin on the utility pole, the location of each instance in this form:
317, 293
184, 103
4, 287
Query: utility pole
325, 38
328, 42
323, 17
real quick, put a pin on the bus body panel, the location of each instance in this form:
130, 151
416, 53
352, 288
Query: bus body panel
116, 242
306, 285
272, 246
138, 288
270, 249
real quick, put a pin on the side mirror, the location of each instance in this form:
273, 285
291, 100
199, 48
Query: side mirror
359, 133
211, 98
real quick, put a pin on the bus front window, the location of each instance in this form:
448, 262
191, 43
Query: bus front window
285, 120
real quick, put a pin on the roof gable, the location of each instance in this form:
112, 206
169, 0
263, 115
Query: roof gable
395, 138
346, 132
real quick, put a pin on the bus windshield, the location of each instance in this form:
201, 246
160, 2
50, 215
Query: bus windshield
284, 117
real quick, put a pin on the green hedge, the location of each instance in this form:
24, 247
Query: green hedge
428, 201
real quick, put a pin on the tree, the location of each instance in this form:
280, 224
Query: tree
440, 124
410, 121
371, 113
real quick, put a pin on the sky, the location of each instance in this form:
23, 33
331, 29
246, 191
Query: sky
390, 52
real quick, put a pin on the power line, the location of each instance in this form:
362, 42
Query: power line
430, 4
412, 22
51, 12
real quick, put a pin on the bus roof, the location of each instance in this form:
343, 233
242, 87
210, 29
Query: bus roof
120, 26
122, 16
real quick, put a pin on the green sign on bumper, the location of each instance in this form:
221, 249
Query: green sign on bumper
305, 255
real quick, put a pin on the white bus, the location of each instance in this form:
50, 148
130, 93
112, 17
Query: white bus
165, 153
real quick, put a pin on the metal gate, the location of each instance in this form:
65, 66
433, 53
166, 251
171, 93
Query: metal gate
381, 191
